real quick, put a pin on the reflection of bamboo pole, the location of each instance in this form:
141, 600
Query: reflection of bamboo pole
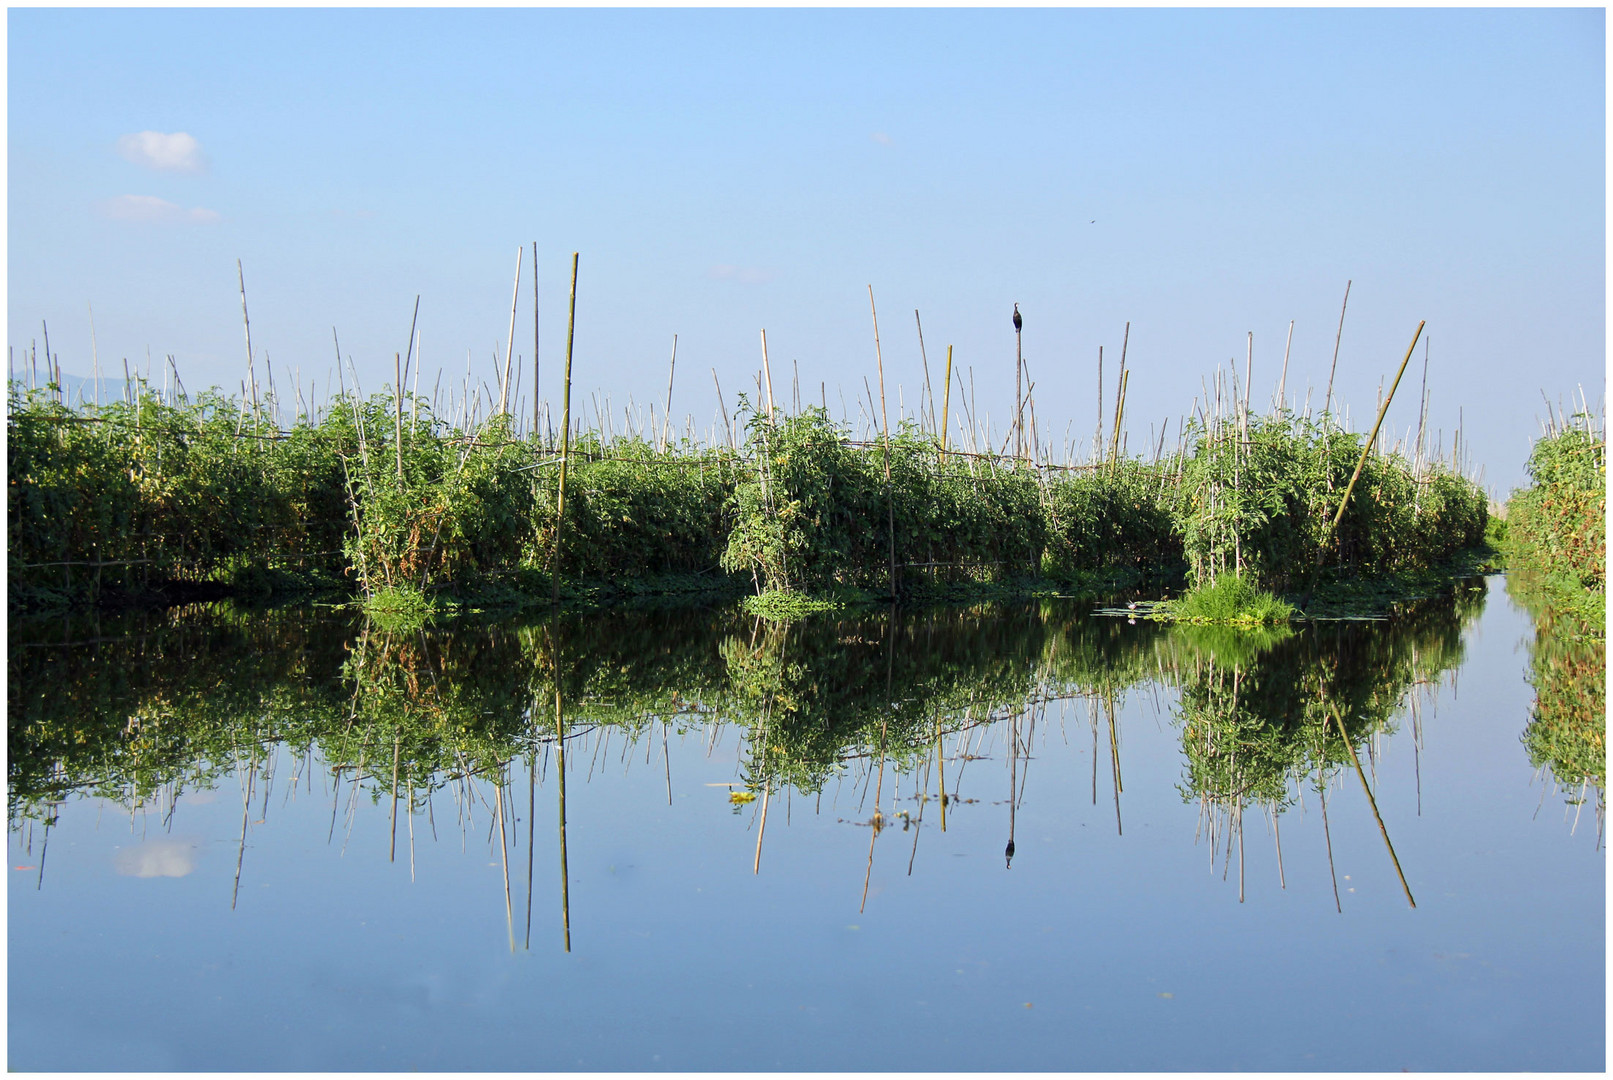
504, 857
767, 792
531, 788
1337, 722
392, 852
1239, 826
666, 758
940, 757
1277, 831
1013, 787
560, 756
878, 820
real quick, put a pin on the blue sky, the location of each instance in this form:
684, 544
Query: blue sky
1202, 174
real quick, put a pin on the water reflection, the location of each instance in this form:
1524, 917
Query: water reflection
1566, 732
144, 711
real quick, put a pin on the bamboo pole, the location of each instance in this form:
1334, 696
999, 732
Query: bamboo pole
1097, 440
397, 411
666, 421
534, 342
1248, 382
946, 408
925, 360
726, 423
1019, 364
767, 370
509, 353
246, 323
408, 354
1282, 384
1327, 401
95, 353
884, 422
560, 500
1373, 438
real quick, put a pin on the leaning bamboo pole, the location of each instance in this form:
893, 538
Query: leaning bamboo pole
509, 352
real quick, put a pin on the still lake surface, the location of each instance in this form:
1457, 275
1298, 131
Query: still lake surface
290, 840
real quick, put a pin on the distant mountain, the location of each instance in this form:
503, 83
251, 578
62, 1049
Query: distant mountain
77, 390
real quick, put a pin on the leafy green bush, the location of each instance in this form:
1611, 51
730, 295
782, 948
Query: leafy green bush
1558, 524
1262, 504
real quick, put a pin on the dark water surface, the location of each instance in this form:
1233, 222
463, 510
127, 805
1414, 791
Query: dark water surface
291, 841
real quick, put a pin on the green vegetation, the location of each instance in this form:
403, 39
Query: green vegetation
1556, 543
1557, 527
1229, 599
382, 499
1258, 499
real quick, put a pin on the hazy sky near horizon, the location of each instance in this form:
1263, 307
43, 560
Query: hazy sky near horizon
1199, 173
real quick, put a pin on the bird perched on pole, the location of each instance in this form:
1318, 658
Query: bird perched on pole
1019, 404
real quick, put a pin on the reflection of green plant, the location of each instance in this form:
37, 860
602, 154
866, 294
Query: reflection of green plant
1567, 727
196, 691
1255, 708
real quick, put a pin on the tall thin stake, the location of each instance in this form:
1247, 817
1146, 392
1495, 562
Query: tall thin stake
1373, 438
946, 408
95, 353
1327, 401
509, 353
560, 500
1282, 384
247, 324
925, 360
884, 422
1019, 365
397, 412
534, 339
672, 369
767, 370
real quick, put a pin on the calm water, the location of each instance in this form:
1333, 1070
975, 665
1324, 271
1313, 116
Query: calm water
293, 841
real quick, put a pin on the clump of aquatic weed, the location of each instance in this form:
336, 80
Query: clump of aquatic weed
1229, 600
400, 607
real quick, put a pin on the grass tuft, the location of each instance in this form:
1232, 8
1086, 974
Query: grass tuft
1230, 600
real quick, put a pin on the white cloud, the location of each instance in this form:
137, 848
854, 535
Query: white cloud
157, 858
178, 152
881, 138
745, 275
149, 208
